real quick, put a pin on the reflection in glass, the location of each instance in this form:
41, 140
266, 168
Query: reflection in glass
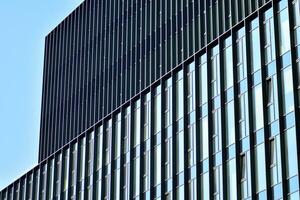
287, 90
258, 121
291, 152
260, 166
255, 48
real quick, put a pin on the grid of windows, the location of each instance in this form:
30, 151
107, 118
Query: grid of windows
222, 125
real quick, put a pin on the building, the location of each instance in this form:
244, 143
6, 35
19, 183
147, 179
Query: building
170, 99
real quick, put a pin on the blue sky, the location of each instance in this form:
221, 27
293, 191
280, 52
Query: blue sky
23, 27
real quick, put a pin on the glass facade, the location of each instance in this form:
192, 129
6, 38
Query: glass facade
224, 124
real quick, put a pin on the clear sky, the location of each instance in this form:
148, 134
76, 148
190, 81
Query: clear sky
23, 27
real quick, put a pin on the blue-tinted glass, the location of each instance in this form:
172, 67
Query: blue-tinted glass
258, 121
284, 27
205, 186
179, 96
231, 180
287, 90
228, 64
203, 80
291, 152
230, 123
269, 37
241, 54
260, 164
255, 48
179, 152
204, 138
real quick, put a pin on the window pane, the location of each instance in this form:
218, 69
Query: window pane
137, 123
255, 48
157, 164
191, 104
203, 80
179, 95
272, 98
230, 123
117, 136
215, 71
157, 110
205, 186
231, 180
136, 176
269, 37
147, 116
260, 167
179, 152
287, 90
180, 193
241, 54
204, 138
284, 35
257, 107
228, 63
243, 115
291, 152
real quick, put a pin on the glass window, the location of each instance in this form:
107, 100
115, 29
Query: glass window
218, 186
260, 166
230, 123
146, 171
179, 95
108, 142
245, 175
179, 152
203, 79
231, 180
157, 110
243, 115
255, 48
127, 130
136, 177
272, 99
204, 138
241, 54
168, 103
191, 145
58, 176
296, 9
137, 123
180, 193
228, 63
205, 186
99, 147
157, 164
191, 104
66, 172
217, 140
269, 37
116, 184
117, 137
43, 181
287, 90
257, 108
275, 160
193, 189
291, 152
296, 15
284, 27
215, 71
168, 157
147, 116
73, 169
51, 178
